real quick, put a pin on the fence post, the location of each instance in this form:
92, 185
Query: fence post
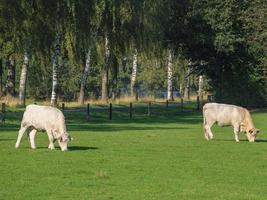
131, 110
182, 104
63, 107
110, 111
88, 111
3, 112
167, 103
198, 103
149, 109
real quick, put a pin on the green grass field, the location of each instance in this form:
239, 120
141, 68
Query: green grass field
161, 157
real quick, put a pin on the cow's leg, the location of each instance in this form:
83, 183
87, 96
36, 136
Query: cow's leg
21, 132
51, 140
208, 134
236, 131
32, 136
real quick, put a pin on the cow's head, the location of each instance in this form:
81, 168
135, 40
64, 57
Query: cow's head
252, 134
63, 141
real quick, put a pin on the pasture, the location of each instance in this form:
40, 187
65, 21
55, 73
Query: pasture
162, 156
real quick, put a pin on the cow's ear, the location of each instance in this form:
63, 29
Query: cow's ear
257, 130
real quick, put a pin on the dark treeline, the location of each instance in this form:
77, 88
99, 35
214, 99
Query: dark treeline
104, 49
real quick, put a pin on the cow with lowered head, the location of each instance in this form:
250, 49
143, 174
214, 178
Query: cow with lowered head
44, 118
228, 115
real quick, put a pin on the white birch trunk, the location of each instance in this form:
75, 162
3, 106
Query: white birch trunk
134, 73
85, 76
55, 65
200, 87
23, 79
187, 84
169, 77
105, 70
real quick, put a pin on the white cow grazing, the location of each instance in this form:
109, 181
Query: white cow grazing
226, 115
44, 118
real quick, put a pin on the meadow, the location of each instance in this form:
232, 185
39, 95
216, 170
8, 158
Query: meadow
162, 156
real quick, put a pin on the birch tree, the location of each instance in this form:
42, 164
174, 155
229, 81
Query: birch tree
133, 77
170, 77
56, 56
187, 84
85, 76
200, 87
23, 79
55, 66
114, 80
105, 71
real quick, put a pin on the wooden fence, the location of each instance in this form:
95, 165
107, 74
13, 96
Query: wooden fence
179, 106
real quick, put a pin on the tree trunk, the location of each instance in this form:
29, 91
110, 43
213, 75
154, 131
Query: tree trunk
23, 79
187, 84
85, 76
181, 90
105, 70
10, 86
133, 78
1, 78
200, 88
114, 77
55, 65
169, 78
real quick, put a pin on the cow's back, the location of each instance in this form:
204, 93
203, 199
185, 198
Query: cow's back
41, 117
224, 114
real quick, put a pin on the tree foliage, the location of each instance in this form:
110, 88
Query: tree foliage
224, 40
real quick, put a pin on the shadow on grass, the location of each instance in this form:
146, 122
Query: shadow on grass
4, 139
231, 140
241, 140
81, 148
260, 140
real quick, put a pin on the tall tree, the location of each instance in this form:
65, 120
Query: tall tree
57, 53
85, 76
23, 78
82, 37
105, 72
134, 74
10, 84
187, 83
55, 65
169, 76
114, 80
200, 87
